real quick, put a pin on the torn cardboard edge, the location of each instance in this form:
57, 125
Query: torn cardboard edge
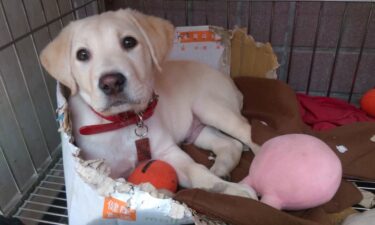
206, 44
225, 60
251, 58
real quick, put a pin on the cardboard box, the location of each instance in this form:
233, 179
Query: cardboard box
251, 58
206, 44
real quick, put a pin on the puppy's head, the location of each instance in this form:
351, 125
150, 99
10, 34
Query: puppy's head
110, 59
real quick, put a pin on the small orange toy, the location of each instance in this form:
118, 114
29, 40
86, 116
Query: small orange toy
157, 172
368, 102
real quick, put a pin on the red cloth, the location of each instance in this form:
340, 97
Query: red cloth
324, 113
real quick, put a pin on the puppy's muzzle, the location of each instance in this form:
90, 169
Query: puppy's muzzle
112, 83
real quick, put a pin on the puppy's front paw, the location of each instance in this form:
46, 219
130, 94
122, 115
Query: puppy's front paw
242, 191
220, 171
235, 189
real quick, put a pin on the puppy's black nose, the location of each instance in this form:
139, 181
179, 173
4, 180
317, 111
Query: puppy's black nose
112, 83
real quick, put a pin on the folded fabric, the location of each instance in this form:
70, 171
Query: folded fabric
237, 210
273, 109
324, 113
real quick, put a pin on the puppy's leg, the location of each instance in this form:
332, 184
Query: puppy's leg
193, 175
221, 116
228, 151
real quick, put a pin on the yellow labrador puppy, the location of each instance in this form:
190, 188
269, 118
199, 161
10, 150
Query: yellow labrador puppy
114, 65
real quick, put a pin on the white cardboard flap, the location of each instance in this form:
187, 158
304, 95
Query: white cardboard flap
85, 181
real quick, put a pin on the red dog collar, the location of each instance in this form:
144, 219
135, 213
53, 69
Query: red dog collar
120, 120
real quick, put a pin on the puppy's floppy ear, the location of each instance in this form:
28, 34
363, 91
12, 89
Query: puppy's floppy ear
157, 32
55, 58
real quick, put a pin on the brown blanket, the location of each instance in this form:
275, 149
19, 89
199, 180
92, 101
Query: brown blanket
275, 103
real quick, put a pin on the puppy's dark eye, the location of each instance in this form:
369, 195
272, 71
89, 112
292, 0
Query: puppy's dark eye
83, 55
129, 43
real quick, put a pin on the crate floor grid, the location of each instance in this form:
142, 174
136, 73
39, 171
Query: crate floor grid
47, 203
368, 186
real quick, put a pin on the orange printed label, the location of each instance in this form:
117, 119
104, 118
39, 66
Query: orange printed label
197, 36
116, 209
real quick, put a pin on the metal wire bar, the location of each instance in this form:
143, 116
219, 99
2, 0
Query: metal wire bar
228, 16
10, 170
45, 204
59, 13
43, 212
292, 42
42, 26
39, 64
59, 164
57, 175
54, 176
72, 5
250, 13
85, 11
98, 6
45, 22
50, 189
205, 15
342, 28
317, 31
327, 49
52, 182
361, 181
164, 6
360, 208
367, 188
143, 5
271, 22
39, 220
47, 196
57, 170
360, 53
60, 170
59, 167
187, 17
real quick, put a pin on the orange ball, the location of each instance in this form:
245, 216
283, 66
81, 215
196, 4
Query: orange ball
158, 173
368, 102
